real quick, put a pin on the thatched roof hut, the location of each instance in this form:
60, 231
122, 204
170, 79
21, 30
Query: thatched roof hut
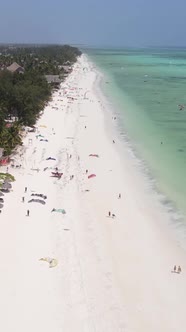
15, 68
53, 79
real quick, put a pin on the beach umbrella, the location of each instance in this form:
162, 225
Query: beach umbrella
91, 176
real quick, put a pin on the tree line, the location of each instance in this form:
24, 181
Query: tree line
23, 96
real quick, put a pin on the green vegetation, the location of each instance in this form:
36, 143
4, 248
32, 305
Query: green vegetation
10, 137
6, 176
24, 95
44, 59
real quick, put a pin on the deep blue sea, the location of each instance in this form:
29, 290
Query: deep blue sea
146, 86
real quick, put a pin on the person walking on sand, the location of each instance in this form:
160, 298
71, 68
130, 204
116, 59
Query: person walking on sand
23, 199
28, 213
25, 189
109, 214
86, 171
119, 196
179, 269
175, 268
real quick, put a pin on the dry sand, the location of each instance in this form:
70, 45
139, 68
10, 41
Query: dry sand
113, 274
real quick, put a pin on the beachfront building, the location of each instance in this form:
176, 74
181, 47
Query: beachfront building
53, 79
66, 69
15, 68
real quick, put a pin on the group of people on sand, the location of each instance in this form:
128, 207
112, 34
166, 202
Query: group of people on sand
16, 166
112, 215
23, 200
177, 270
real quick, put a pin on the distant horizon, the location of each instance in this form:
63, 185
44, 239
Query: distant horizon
91, 46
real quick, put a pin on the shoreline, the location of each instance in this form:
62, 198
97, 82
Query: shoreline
154, 159
113, 274
175, 217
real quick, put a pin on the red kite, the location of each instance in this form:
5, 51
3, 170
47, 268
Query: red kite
91, 176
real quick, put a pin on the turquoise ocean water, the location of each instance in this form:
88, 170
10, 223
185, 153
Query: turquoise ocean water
146, 86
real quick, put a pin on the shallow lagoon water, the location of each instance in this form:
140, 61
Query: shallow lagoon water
146, 86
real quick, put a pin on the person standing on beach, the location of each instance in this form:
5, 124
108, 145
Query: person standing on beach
25, 189
179, 269
119, 196
28, 213
23, 199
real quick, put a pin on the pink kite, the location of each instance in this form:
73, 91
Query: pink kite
4, 161
93, 155
91, 176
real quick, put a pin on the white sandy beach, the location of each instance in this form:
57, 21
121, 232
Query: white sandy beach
113, 274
